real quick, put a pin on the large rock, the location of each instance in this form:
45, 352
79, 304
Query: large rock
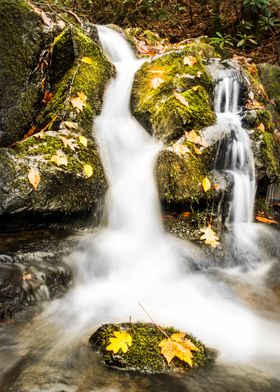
74, 68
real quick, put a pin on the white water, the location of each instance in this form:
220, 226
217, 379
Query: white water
132, 260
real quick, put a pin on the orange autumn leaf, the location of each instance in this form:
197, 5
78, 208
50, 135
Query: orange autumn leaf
265, 220
34, 177
186, 214
177, 346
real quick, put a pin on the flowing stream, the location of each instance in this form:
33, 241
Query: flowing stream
132, 260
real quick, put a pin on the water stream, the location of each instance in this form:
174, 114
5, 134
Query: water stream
133, 260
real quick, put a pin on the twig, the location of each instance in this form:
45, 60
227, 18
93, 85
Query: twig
158, 327
74, 15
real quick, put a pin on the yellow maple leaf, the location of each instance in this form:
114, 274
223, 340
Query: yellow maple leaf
60, 158
206, 184
210, 237
83, 140
190, 60
87, 60
178, 346
34, 177
181, 98
88, 170
121, 341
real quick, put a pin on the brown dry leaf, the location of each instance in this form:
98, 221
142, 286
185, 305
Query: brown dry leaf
87, 60
181, 98
79, 101
253, 104
266, 220
26, 276
60, 158
261, 127
155, 82
71, 143
190, 60
71, 125
206, 184
31, 131
210, 237
180, 149
178, 346
34, 177
47, 97
83, 140
193, 137
186, 214
216, 186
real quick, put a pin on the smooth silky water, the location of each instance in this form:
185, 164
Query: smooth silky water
132, 260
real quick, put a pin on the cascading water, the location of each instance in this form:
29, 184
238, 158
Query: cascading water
132, 260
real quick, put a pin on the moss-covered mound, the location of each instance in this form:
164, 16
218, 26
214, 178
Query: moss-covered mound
173, 92
144, 354
57, 140
21, 41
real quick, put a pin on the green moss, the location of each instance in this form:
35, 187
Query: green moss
144, 353
156, 106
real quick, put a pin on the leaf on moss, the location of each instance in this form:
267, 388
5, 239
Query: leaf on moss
88, 170
71, 143
34, 177
156, 82
210, 237
190, 60
71, 125
193, 137
178, 346
181, 98
180, 149
199, 74
83, 140
197, 150
261, 127
195, 88
121, 341
60, 158
79, 101
87, 60
206, 184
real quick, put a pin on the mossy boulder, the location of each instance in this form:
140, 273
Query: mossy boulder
173, 92
21, 41
144, 354
75, 68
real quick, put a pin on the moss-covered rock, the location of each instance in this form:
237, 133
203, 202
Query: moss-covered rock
74, 64
21, 41
173, 92
145, 354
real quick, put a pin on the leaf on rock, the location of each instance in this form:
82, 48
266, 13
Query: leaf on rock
199, 74
71, 143
155, 82
180, 149
26, 276
178, 346
34, 177
121, 341
206, 184
88, 170
195, 88
197, 150
266, 220
193, 137
79, 101
70, 125
190, 60
261, 127
181, 98
87, 60
210, 237
83, 140
60, 158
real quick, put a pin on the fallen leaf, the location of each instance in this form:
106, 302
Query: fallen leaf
88, 170
253, 104
197, 150
31, 131
79, 101
87, 60
121, 341
266, 220
186, 214
206, 184
198, 74
180, 149
195, 88
60, 158
34, 177
47, 97
193, 137
210, 237
83, 140
181, 98
190, 60
178, 346
26, 276
71, 143
216, 186
155, 82
71, 125
261, 127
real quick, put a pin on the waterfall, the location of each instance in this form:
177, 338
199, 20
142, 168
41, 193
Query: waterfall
234, 154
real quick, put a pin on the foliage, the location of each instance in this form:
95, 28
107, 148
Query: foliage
221, 41
246, 40
121, 341
209, 236
178, 346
